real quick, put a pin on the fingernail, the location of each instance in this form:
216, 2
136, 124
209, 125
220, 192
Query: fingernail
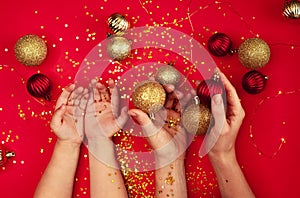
217, 99
132, 114
217, 70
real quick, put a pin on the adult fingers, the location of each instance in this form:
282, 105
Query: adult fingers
232, 97
170, 96
218, 112
185, 100
219, 115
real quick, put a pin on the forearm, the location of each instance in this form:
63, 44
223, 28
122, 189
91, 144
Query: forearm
105, 177
171, 181
58, 178
230, 177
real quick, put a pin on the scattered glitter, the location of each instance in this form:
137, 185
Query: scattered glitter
283, 140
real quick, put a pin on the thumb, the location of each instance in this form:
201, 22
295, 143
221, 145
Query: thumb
57, 117
122, 119
144, 121
218, 112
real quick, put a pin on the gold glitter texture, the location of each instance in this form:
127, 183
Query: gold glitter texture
169, 180
196, 119
30, 50
254, 53
149, 96
167, 75
119, 48
173, 123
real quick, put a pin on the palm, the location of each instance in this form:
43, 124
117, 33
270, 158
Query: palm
172, 128
65, 127
102, 118
165, 135
69, 128
102, 122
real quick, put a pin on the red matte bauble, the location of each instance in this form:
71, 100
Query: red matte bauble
39, 86
254, 82
208, 88
5, 155
219, 44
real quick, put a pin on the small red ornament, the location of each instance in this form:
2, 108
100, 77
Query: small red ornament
208, 88
219, 44
254, 82
5, 155
39, 86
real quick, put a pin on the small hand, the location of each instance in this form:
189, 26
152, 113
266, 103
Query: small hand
102, 118
63, 122
165, 135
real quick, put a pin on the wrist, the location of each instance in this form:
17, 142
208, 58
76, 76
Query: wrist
179, 163
68, 144
101, 146
222, 158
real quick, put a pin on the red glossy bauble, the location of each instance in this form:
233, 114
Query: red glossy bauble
208, 88
219, 44
254, 82
39, 86
5, 155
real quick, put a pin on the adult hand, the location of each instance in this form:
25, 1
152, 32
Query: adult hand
227, 124
221, 140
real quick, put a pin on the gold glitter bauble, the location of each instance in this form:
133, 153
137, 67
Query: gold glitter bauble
254, 53
118, 48
30, 50
167, 75
149, 96
117, 23
196, 119
291, 9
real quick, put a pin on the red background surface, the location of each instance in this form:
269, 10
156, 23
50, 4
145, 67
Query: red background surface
73, 28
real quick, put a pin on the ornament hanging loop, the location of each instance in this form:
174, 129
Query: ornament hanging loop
196, 100
232, 52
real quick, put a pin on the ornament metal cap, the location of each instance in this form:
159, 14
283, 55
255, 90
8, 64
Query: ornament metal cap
291, 9
10, 154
